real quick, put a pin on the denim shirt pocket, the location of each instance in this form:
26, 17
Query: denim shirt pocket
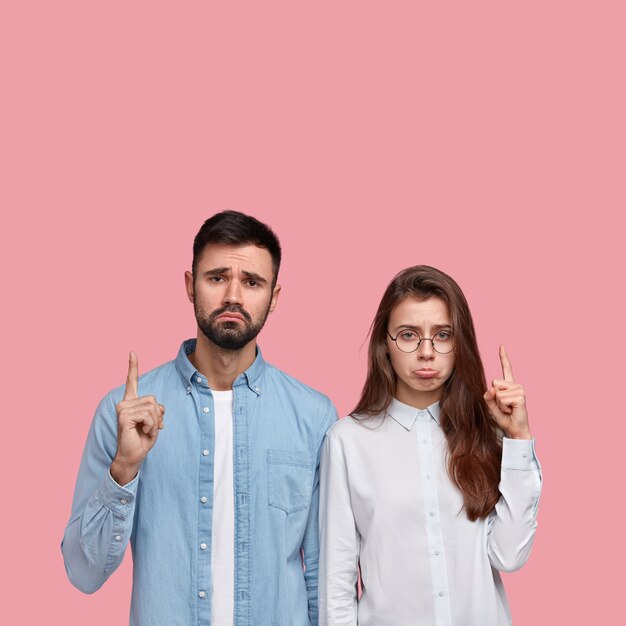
289, 478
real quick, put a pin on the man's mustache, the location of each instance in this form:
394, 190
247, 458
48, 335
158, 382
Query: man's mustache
232, 308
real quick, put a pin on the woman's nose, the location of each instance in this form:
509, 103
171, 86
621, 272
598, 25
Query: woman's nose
425, 349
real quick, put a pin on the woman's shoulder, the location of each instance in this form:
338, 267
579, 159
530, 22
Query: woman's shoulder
353, 423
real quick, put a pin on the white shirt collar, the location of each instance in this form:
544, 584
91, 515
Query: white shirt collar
406, 415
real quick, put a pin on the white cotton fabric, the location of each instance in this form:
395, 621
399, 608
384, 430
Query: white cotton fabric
386, 502
223, 534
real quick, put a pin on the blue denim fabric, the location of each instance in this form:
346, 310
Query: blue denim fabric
166, 511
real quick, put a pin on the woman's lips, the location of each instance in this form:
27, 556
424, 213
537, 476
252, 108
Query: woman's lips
425, 373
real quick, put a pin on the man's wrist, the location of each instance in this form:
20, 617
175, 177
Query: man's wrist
123, 473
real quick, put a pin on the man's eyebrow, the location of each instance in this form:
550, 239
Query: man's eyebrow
435, 327
254, 276
217, 270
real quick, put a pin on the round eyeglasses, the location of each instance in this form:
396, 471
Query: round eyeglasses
409, 341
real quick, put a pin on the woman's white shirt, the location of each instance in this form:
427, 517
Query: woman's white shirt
387, 503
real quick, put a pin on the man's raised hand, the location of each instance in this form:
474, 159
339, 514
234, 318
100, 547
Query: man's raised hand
139, 419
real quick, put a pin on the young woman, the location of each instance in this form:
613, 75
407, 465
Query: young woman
430, 487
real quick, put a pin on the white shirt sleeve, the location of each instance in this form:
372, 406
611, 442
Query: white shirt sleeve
339, 542
513, 522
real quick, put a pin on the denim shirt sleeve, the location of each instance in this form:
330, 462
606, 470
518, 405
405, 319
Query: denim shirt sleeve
101, 521
513, 523
310, 542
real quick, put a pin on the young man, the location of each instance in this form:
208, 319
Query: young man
209, 463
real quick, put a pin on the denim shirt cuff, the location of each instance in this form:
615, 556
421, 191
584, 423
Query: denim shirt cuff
116, 498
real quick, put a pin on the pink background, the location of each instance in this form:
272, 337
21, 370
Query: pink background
483, 138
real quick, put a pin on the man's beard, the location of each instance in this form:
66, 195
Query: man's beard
229, 335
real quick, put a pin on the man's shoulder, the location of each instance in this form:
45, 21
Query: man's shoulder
314, 407
300, 395
294, 385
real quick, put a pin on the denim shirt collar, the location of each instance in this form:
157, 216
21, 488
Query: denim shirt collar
406, 415
251, 377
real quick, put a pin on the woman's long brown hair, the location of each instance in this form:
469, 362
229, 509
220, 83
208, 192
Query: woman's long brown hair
474, 440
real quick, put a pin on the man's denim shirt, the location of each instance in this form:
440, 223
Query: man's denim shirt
166, 511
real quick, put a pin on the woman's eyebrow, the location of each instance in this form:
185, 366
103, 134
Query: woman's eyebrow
419, 328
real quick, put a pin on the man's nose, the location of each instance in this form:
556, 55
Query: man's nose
233, 293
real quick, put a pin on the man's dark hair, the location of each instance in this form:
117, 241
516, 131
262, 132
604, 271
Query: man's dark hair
233, 228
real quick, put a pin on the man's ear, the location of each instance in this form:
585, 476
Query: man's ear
275, 294
189, 286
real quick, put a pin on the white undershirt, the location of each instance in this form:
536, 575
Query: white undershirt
223, 536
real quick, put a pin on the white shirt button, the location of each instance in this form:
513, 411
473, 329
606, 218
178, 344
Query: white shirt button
440, 594
123, 501
205, 409
524, 454
204, 499
424, 440
431, 513
427, 476
118, 537
203, 546
436, 552
201, 594
205, 453
199, 379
